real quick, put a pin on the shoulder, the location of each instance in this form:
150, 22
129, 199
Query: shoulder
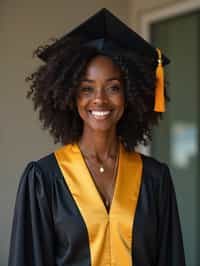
44, 169
152, 166
155, 171
39, 176
48, 165
156, 179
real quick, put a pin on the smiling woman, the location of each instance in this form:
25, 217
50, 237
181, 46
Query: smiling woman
100, 99
95, 201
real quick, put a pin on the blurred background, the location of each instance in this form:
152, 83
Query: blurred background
173, 25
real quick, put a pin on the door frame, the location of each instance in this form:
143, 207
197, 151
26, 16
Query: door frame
155, 15
163, 13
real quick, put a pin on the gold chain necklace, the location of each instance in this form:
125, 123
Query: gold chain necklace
101, 169
108, 200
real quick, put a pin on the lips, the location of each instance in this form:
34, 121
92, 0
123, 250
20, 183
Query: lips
100, 115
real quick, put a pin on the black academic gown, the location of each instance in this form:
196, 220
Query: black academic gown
60, 219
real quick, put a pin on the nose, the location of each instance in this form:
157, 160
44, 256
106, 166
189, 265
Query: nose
100, 96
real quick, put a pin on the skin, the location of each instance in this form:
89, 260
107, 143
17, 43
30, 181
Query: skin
101, 89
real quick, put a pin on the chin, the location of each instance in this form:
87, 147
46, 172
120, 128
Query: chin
101, 128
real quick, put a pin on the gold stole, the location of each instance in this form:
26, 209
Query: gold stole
110, 234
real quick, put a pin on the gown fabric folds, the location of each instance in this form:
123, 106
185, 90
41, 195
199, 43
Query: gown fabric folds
49, 228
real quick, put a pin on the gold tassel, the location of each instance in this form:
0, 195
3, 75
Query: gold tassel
159, 105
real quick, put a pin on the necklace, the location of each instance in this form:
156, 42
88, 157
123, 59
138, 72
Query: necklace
101, 169
108, 200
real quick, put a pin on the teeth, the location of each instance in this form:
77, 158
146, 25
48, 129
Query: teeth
100, 113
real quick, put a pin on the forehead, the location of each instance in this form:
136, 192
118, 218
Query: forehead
102, 66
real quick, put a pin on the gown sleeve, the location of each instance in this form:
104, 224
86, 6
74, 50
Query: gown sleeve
170, 243
32, 231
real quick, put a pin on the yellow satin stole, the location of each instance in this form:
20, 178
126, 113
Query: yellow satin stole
110, 234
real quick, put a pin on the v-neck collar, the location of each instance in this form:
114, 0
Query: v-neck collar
81, 183
108, 233
88, 176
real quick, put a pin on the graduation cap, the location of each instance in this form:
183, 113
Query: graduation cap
109, 35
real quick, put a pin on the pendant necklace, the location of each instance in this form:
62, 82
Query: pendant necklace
108, 200
101, 169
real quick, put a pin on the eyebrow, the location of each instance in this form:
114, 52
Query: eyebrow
110, 79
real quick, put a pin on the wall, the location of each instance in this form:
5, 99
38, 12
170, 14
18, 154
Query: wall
23, 26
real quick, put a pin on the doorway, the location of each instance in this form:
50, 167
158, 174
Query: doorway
176, 141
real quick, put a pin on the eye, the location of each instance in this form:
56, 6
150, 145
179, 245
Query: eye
86, 90
114, 89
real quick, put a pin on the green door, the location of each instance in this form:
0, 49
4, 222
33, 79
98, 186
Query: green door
177, 139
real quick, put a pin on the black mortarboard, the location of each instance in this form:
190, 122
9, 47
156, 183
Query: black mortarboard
109, 35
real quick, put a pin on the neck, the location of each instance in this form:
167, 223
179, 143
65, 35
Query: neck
102, 145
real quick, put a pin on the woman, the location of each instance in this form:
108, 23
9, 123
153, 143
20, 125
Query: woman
95, 201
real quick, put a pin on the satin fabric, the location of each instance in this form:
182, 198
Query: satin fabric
49, 229
110, 232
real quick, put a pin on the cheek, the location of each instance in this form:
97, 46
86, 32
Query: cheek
121, 105
82, 100
81, 103
120, 101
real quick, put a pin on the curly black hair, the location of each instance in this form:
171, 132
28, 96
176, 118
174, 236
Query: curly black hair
55, 84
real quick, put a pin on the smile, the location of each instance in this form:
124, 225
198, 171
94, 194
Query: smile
100, 114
